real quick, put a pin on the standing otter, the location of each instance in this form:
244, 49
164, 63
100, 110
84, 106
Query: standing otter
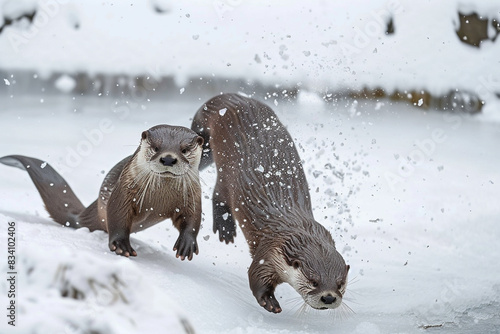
261, 184
159, 181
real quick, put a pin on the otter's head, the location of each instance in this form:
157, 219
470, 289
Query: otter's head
315, 269
170, 151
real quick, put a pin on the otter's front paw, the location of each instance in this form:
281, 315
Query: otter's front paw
225, 224
121, 246
269, 302
186, 246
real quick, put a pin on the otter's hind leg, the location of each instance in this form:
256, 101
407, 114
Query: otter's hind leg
222, 214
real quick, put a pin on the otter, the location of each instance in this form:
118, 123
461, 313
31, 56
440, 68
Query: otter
159, 181
261, 184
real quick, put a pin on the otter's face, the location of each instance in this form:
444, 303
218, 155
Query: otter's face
318, 274
170, 151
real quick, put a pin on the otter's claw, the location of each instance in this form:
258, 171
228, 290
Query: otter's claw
269, 302
225, 224
186, 246
227, 230
122, 247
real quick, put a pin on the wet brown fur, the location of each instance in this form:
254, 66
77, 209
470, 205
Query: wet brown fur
131, 197
262, 185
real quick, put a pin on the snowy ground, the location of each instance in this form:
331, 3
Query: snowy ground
421, 237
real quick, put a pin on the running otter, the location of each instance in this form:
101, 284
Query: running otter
159, 181
261, 184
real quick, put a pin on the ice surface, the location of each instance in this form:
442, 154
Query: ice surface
409, 196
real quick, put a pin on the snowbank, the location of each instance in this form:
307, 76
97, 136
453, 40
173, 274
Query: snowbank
64, 289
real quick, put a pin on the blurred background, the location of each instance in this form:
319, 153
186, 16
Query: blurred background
442, 56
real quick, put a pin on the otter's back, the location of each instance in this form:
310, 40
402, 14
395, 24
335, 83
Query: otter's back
252, 146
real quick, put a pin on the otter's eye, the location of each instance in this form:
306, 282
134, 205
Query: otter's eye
314, 283
155, 148
339, 286
296, 264
184, 150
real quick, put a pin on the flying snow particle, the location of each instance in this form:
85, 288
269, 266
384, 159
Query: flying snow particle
260, 169
7, 82
275, 102
420, 102
43, 165
225, 216
222, 111
181, 90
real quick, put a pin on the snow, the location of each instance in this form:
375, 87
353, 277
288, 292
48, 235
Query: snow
102, 289
422, 245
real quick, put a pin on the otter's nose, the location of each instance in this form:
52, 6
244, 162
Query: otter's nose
168, 160
329, 299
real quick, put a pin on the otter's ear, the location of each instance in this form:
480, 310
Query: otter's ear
199, 140
144, 135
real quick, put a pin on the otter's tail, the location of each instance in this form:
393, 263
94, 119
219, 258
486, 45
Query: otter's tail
60, 201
